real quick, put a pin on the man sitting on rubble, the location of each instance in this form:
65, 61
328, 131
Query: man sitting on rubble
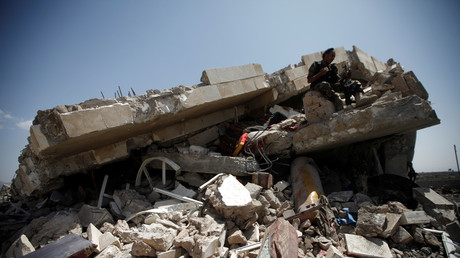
324, 78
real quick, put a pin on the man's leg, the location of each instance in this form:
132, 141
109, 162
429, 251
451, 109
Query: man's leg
326, 89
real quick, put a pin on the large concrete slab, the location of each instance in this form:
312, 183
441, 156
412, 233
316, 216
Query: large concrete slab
400, 116
63, 134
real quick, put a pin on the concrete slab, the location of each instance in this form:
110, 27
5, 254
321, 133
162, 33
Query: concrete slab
360, 246
372, 122
414, 217
96, 119
209, 164
428, 197
233, 73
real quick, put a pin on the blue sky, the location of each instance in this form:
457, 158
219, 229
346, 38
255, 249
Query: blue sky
65, 52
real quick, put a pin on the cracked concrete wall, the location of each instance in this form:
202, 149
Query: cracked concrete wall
74, 138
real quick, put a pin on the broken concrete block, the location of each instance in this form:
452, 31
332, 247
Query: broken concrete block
414, 217
370, 224
391, 224
157, 236
205, 137
333, 252
54, 226
93, 236
97, 216
191, 178
140, 248
236, 237
431, 239
233, 201
131, 201
414, 85
110, 153
233, 73
173, 253
311, 58
402, 236
272, 199
20, 247
300, 71
207, 247
254, 189
343, 196
70, 245
185, 241
183, 191
363, 66
317, 107
252, 233
360, 246
110, 252
430, 199
417, 234
107, 239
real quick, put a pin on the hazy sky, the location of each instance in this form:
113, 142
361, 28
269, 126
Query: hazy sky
65, 52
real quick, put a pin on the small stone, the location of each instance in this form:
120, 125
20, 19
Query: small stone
254, 190
402, 236
20, 247
142, 249
236, 237
370, 224
272, 199
418, 236
305, 224
324, 243
333, 252
431, 239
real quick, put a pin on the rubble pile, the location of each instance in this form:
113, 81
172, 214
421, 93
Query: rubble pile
237, 218
244, 164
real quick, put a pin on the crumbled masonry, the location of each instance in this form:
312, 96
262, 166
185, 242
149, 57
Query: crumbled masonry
244, 164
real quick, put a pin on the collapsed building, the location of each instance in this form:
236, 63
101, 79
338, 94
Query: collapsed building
239, 121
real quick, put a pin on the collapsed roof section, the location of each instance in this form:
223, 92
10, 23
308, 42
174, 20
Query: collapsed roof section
71, 139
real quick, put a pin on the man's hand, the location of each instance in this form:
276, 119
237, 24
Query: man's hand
323, 71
